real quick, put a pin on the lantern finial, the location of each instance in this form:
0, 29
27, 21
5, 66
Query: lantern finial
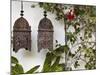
45, 14
22, 9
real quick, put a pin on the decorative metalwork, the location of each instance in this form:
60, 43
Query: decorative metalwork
45, 34
21, 33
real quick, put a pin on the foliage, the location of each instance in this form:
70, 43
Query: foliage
32, 70
54, 8
14, 60
52, 60
84, 26
17, 68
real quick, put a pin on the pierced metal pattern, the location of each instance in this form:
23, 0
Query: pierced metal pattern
21, 33
45, 34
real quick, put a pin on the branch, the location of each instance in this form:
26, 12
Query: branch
78, 56
73, 59
81, 43
83, 60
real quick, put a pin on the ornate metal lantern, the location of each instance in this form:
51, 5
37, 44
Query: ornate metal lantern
21, 33
45, 34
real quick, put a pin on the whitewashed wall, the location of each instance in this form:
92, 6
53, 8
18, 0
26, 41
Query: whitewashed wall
33, 16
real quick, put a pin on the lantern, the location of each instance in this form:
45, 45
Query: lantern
45, 34
21, 33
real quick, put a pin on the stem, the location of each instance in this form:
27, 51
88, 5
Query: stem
74, 59
66, 54
81, 43
78, 56
83, 60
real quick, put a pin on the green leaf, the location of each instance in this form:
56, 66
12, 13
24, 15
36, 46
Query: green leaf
32, 70
47, 63
18, 69
76, 64
59, 68
55, 64
14, 60
58, 51
66, 48
71, 54
13, 72
77, 30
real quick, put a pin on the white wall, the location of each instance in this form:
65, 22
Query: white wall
33, 16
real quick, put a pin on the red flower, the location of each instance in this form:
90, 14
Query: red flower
70, 15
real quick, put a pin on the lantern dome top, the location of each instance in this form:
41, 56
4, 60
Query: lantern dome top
21, 23
45, 23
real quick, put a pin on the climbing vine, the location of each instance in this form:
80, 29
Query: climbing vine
82, 20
